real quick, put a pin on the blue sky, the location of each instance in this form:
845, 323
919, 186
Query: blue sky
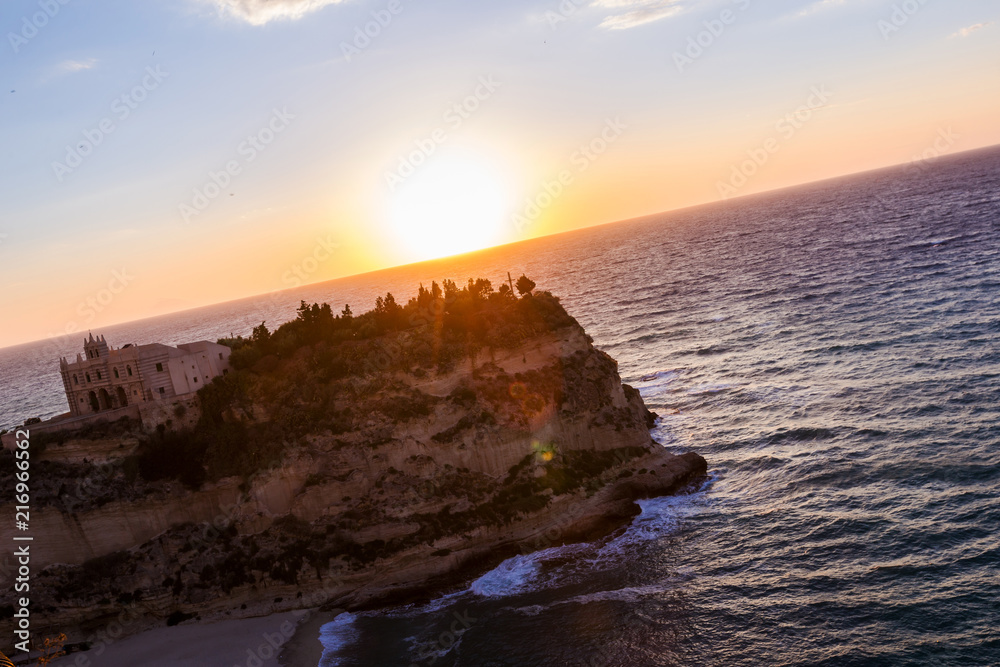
898, 75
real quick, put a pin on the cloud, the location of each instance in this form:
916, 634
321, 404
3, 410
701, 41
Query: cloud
70, 66
632, 13
67, 67
965, 32
819, 6
259, 12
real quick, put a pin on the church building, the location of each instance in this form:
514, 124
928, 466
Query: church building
104, 379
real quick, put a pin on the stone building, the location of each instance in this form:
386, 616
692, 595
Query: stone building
104, 379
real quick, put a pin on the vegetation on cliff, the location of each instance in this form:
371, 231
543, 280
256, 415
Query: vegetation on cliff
320, 372
443, 325
416, 431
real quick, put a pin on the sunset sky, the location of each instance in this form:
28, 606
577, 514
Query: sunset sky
176, 154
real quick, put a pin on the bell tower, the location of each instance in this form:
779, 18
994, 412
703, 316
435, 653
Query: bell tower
95, 348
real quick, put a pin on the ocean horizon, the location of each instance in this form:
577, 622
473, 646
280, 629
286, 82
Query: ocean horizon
33, 387
831, 350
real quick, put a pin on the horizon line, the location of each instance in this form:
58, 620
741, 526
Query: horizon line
643, 216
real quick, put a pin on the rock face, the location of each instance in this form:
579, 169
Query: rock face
512, 451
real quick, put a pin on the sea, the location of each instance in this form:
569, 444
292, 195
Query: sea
831, 350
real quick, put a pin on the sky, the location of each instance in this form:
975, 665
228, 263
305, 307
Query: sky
159, 156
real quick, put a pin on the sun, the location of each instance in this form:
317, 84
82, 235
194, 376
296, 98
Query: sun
451, 204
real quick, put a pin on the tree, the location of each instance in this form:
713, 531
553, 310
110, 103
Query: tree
480, 288
390, 303
303, 311
260, 334
525, 285
315, 315
388, 313
424, 297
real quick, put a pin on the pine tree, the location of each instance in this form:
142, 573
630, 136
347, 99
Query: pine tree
525, 285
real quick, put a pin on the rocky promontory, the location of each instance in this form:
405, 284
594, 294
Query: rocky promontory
349, 461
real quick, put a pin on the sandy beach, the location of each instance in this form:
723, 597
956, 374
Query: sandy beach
304, 648
252, 642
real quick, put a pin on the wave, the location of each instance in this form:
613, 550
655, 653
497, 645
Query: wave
668, 375
627, 594
658, 518
428, 650
335, 636
712, 388
558, 566
513, 576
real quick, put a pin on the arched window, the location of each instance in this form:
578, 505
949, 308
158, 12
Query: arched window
116, 373
76, 380
88, 376
99, 375
129, 369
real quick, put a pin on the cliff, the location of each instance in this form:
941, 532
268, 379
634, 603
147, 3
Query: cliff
353, 487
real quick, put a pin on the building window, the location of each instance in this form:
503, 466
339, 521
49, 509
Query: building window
99, 375
159, 368
195, 378
116, 373
87, 375
76, 380
162, 390
81, 400
135, 392
220, 355
128, 369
